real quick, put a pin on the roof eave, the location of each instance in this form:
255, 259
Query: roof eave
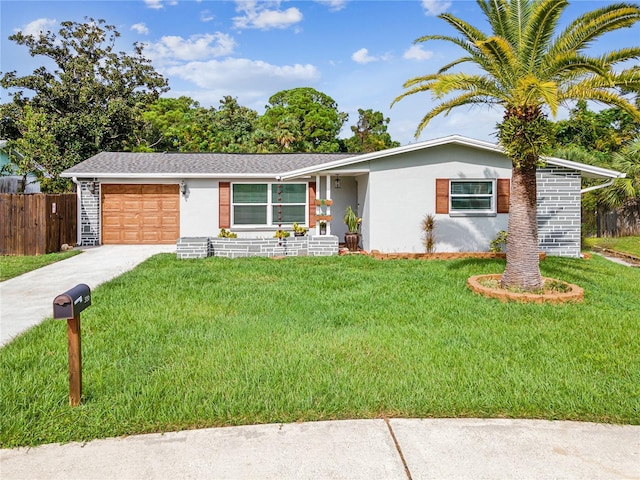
588, 171
172, 175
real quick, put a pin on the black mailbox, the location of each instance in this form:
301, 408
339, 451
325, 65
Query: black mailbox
70, 303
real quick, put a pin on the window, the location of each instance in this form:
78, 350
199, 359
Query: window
269, 203
472, 197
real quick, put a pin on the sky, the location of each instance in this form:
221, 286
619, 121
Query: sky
357, 52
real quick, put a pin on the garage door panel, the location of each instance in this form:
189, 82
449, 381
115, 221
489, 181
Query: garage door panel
140, 214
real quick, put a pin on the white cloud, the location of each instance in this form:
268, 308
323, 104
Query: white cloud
206, 16
196, 47
264, 16
37, 27
416, 52
435, 7
141, 28
249, 80
334, 5
362, 56
158, 4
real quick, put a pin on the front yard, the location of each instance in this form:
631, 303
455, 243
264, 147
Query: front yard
178, 344
12, 266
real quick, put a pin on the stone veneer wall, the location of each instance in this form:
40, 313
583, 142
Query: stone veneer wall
559, 215
202, 247
89, 213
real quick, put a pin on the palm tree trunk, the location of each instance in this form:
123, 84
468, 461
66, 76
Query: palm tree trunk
523, 269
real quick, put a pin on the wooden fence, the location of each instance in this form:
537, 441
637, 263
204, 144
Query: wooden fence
37, 224
622, 222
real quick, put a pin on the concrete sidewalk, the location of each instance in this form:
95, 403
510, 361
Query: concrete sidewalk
28, 299
351, 449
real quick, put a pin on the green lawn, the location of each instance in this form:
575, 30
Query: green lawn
179, 344
12, 266
630, 245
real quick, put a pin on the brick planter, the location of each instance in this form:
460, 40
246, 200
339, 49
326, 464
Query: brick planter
575, 293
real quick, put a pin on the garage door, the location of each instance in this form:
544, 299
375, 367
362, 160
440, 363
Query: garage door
140, 214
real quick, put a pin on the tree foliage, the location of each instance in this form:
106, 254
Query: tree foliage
302, 120
92, 99
528, 68
602, 132
370, 133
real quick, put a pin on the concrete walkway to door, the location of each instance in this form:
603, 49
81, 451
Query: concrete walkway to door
28, 299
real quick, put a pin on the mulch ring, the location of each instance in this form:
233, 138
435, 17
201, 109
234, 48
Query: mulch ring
485, 285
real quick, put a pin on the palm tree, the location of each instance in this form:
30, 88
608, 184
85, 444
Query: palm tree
527, 68
625, 190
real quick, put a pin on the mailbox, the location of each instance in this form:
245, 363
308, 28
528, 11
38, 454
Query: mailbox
70, 303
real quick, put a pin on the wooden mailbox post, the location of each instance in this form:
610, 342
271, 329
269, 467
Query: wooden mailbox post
68, 305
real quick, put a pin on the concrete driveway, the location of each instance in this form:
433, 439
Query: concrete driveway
28, 299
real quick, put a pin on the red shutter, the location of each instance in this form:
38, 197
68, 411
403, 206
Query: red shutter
224, 204
312, 204
504, 189
442, 195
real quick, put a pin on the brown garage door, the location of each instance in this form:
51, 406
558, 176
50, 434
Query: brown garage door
140, 214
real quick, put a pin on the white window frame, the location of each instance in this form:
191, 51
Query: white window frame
473, 212
271, 202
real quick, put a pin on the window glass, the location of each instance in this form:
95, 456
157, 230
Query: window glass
250, 193
289, 193
263, 204
471, 188
250, 214
289, 214
470, 203
472, 196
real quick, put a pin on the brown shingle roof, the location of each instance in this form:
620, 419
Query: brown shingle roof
123, 163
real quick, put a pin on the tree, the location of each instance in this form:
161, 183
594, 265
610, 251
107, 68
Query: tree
236, 126
165, 121
181, 124
527, 67
35, 148
93, 98
602, 132
302, 120
370, 133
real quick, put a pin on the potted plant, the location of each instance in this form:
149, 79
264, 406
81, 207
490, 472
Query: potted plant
323, 227
352, 236
298, 230
281, 234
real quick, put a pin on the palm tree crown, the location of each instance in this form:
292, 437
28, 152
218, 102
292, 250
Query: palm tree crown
525, 65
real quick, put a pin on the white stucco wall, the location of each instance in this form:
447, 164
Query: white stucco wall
199, 209
401, 191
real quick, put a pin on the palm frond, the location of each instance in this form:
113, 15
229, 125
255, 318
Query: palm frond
470, 32
539, 32
496, 12
462, 43
519, 14
586, 90
531, 91
591, 25
574, 67
457, 62
478, 84
504, 64
446, 107
622, 55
